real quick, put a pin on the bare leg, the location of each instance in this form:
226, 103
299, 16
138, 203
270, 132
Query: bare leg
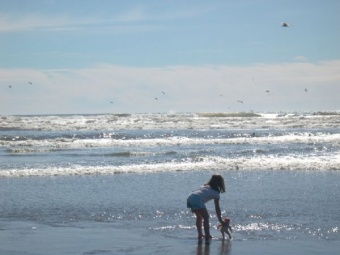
202, 214
199, 220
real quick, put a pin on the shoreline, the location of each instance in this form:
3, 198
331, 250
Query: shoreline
25, 238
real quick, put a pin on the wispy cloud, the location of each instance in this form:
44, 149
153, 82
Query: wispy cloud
301, 59
202, 88
13, 23
66, 22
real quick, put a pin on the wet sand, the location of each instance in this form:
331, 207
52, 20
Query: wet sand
102, 238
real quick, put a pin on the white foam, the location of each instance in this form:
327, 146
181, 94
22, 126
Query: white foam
28, 146
325, 157
167, 122
291, 162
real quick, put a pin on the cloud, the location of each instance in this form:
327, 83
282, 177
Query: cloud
30, 22
187, 88
301, 59
128, 19
53, 22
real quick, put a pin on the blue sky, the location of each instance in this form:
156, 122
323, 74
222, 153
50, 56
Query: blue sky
119, 56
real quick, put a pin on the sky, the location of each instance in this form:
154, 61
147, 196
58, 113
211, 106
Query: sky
113, 56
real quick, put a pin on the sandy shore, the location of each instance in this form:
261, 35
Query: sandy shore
18, 238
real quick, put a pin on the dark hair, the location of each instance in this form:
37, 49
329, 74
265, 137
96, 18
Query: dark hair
216, 182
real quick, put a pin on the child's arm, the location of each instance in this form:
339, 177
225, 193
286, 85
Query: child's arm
218, 210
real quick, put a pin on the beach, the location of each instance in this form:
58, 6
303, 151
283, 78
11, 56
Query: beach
110, 241
107, 184
115, 116
271, 212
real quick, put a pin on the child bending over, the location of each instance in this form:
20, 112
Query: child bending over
196, 202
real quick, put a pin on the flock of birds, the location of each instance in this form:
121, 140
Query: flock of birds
238, 101
11, 86
268, 92
156, 98
283, 24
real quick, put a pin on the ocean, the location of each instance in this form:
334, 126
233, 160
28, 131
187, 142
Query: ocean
117, 183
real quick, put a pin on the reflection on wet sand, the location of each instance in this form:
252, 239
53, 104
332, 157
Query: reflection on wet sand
204, 249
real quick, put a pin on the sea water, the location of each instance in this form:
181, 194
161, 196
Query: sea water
117, 184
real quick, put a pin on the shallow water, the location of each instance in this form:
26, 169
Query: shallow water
265, 206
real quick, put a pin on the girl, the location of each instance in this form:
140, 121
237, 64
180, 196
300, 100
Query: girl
197, 199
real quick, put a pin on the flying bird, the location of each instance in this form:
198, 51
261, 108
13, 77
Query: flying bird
240, 101
306, 90
10, 86
30, 83
163, 92
156, 98
285, 24
268, 92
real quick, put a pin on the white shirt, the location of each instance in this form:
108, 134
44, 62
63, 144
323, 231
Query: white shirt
206, 193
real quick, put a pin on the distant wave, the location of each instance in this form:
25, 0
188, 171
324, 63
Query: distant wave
138, 153
327, 113
29, 146
168, 121
141, 143
199, 164
226, 115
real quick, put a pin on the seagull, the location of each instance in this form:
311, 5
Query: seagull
240, 101
163, 92
268, 92
306, 90
30, 83
285, 24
